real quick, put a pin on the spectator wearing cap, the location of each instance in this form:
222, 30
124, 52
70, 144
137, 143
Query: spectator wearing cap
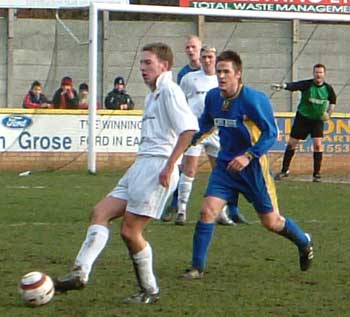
84, 97
118, 99
66, 97
35, 99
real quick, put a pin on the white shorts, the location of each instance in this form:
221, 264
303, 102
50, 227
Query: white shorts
211, 145
141, 188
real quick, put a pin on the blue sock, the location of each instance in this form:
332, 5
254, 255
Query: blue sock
174, 199
233, 210
201, 240
292, 232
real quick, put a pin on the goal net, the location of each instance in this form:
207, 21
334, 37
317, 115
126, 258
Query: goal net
275, 46
106, 42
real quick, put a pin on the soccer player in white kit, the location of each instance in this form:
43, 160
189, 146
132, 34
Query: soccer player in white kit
195, 86
140, 195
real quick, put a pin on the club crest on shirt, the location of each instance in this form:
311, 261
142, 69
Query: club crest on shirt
226, 105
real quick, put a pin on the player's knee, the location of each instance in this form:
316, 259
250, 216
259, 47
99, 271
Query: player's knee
126, 234
207, 214
317, 148
190, 172
272, 224
97, 216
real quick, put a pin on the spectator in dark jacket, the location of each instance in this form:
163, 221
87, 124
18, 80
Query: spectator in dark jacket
34, 99
66, 97
118, 99
84, 97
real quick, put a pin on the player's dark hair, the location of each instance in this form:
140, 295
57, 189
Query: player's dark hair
35, 84
162, 51
231, 56
319, 66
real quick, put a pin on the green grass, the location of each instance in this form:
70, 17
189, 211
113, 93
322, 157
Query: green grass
251, 272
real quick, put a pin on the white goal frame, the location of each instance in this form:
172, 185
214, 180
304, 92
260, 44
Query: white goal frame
96, 6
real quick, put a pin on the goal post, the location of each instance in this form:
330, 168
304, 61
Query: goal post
96, 6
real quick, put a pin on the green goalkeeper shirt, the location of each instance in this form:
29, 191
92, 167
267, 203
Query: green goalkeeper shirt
315, 99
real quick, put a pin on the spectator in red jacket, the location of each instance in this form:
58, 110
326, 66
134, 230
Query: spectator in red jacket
66, 97
35, 99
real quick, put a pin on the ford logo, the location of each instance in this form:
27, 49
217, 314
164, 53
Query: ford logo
17, 122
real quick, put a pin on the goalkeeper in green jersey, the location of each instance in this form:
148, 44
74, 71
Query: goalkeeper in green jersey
316, 105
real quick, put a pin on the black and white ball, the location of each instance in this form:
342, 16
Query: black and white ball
36, 288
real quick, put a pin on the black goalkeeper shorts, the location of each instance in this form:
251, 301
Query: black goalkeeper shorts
303, 126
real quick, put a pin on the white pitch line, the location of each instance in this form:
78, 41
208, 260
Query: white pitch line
24, 187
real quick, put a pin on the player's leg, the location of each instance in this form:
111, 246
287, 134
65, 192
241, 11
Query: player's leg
287, 158
142, 258
212, 147
317, 136
317, 156
147, 199
203, 235
300, 130
262, 193
96, 238
189, 168
218, 192
286, 227
235, 215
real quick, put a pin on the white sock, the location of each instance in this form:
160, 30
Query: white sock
143, 262
95, 241
185, 188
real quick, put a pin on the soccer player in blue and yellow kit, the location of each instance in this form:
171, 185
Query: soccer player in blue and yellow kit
247, 130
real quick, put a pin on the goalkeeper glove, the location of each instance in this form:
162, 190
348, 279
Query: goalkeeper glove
278, 87
325, 116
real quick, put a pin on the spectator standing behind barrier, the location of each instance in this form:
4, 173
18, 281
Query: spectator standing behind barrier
118, 99
66, 97
34, 99
84, 97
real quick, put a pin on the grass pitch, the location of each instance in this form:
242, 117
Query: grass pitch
251, 272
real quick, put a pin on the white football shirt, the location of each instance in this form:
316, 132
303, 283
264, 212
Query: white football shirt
195, 85
166, 116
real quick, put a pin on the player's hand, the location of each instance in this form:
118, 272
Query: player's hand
165, 174
237, 164
325, 116
277, 87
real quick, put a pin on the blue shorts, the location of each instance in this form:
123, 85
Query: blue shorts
254, 182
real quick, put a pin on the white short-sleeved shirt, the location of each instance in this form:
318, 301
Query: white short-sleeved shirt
166, 116
195, 85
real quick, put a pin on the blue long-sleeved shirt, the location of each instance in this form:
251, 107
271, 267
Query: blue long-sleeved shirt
247, 125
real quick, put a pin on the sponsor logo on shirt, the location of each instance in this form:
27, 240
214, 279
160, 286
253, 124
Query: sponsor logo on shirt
227, 123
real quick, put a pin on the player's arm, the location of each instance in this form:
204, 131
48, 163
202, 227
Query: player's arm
205, 122
261, 113
180, 147
183, 122
293, 86
332, 98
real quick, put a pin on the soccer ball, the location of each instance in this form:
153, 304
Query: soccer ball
36, 288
